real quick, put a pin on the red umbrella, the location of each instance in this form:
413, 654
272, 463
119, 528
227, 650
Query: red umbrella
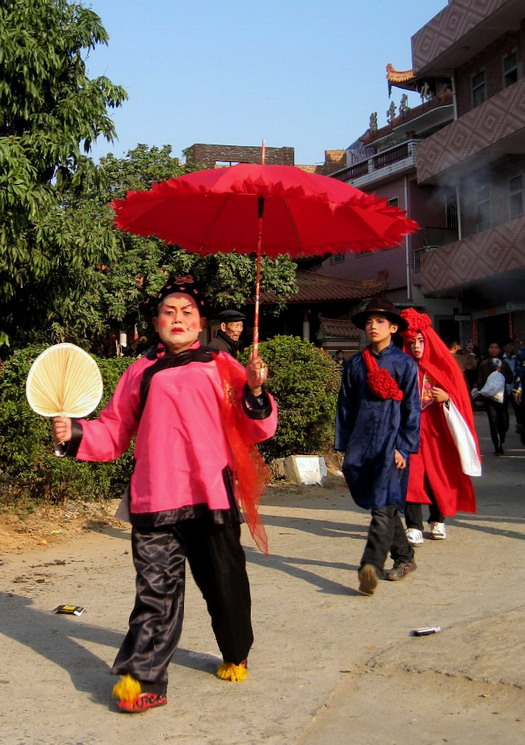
254, 208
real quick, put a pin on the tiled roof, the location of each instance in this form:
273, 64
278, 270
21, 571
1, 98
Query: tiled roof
318, 288
337, 328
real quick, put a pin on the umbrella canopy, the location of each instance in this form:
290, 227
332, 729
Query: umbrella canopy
219, 210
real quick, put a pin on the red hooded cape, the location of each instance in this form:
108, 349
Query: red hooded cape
438, 459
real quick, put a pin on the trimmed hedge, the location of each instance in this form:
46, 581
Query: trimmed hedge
305, 381
28, 467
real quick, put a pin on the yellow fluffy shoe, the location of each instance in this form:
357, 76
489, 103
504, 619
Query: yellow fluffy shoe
235, 673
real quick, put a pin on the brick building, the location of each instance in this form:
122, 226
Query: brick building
383, 162
457, 165
211, 156
480, 156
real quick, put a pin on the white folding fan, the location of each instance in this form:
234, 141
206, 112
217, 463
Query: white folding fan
64, 381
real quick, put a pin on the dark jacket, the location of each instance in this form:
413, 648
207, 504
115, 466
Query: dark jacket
370, 429
223, 343
488, 366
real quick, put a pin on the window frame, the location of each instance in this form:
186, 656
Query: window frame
475, 89
482, 204
512, 193
515, 69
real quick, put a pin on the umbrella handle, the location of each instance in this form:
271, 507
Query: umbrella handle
260, 213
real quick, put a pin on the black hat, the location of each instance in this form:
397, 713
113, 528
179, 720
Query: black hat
230, 316
382, 306
188, 286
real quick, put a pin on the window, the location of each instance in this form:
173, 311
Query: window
478, 89
394, 202
510, 69
451, 212
515, 197
483, 205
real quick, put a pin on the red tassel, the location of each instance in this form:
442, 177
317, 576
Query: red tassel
251, 475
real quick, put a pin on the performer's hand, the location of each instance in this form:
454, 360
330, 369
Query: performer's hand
439, 395
62, 429
399, 461
517, 396
256, 374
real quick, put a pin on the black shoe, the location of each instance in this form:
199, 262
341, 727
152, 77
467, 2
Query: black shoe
368, 577
400, 570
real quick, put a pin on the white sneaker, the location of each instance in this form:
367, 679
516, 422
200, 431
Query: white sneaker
437, 531
414, 536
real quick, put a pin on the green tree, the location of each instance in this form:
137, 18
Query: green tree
305, 382
50, 114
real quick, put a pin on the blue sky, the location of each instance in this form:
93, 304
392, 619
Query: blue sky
300, 73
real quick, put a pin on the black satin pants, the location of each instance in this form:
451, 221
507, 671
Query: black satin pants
386, 533
218, 565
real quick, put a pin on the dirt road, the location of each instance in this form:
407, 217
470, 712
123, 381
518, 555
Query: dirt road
329, 665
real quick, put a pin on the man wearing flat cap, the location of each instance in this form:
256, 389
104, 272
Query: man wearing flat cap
229, 333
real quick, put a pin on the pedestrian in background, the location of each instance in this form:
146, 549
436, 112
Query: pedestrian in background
510, 357
228, 338
497, 412
466, 362
339, 357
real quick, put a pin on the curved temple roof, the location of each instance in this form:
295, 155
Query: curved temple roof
397, 76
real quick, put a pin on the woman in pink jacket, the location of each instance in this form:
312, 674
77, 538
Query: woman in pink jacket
196, 415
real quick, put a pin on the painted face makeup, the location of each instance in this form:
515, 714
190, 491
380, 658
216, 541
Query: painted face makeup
178, 322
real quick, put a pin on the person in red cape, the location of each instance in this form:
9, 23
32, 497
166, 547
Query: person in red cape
439, 473
196, 415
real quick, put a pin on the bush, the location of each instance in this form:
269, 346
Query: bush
28, 467
305, 382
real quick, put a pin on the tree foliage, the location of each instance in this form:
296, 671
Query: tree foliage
66, 273
50, 114
28, 467
305, 382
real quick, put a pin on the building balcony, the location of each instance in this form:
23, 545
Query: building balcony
387, 163
493, 129
480, 257
459, 32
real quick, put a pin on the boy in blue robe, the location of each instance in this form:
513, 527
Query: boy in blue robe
377, 427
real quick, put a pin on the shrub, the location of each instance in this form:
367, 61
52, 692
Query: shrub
305, 382
29, 469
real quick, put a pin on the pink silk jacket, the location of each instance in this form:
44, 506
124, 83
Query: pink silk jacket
180, 447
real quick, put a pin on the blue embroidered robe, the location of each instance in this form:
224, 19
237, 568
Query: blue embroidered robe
370, 429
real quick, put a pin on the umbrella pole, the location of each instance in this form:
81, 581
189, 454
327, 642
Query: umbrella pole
260, 213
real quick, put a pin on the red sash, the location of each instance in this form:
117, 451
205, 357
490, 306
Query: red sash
380, 382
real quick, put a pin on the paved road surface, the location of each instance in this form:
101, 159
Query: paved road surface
329, 665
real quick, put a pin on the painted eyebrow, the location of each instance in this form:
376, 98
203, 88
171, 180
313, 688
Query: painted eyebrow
174, 307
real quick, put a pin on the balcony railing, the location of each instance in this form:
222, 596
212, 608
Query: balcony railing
404, 153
